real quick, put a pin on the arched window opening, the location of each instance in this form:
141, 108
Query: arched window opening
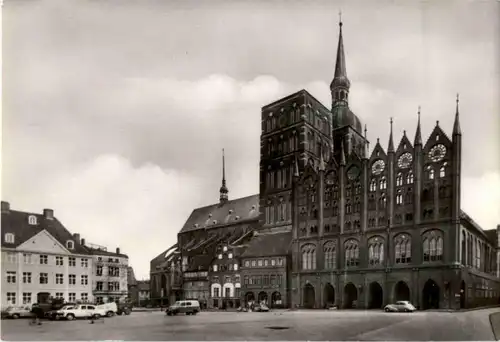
399, 198
309, 257
330, 255
442, 171
373, 185
382, 202
376, 251
409, 178
399, 179
402, 249
351, 253
433, 247
383, 183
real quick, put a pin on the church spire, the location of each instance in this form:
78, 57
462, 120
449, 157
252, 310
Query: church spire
223, 189
340, 83
418, 134
456, 125
391, 142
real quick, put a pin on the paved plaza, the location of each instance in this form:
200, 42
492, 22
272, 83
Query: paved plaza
283, 325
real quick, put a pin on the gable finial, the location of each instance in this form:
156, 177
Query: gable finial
456, 125
340, 17
391, 141
418, 134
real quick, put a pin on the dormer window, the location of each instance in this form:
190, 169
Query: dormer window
9, 238
70, 244
220, 256
32, 219
215, 268
224, 248
230, 255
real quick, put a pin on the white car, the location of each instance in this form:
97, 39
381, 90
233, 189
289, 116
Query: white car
71, 312
400, 306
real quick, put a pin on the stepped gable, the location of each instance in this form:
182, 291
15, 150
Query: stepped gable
16, 222
269, 244
230, 212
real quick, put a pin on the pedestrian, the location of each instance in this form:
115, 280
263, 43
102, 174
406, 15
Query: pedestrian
37, 313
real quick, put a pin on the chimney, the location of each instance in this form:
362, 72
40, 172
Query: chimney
48, 214
76, 237
117, 250
5, 207
82, 242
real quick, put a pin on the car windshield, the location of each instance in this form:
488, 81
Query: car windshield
401, 303
67, 307
177, 303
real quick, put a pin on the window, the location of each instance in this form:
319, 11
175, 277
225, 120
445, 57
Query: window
383, 183
273, 262
59, 261
70, 244
254, 263
11, 277
84, 297
247, 263
72, 279
44, 278
382, 202
28, 258
84, 280
409, 177
330, 256
59, 295
215, 268
430, 172
399, 179
376, 251
351, 253
230, 255
26, 277
442, 171
32, 220
9, 238
309, 257
260, 263
72, 297
59, 278
11, 298
373, 185
11, 257
99, 286
26, 297
227, 292
216, 292
235, 267
44, 259
245, 280
433, 247
399, 198
99, 270
220, 256
402, 249
72, 261
85, 262
463, 249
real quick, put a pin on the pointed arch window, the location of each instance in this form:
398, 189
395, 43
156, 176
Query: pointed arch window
351, 253
409, 177
399, 198
399, 179
442, 171
382, 202
408, 198
430, 172
309, 257
348, 207
330, 255
402, 250
383, 183
376, 251
478, 254
463, 249
348, 191
373, 185
433, 246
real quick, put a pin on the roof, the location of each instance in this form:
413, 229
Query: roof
485, 233
131, 281
215, 215
200, 262
269, 244
491, 234
97, 251
16, 222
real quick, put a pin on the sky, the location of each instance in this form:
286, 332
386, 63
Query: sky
115, 113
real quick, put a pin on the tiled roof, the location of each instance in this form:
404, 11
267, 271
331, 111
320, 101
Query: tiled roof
241, 209
269, 244
131, 281
16, 222
97, 251
200, 262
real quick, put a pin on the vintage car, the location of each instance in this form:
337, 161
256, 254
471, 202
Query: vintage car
17, 312
400, 306
71, 312
188, 307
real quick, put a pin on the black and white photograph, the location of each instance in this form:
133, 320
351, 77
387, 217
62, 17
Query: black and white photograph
235, 170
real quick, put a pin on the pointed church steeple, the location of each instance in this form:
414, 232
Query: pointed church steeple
223, 189
418, 134
456, 125
340, 84
390, 149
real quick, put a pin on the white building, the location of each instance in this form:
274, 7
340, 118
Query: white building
110, 270
41, 259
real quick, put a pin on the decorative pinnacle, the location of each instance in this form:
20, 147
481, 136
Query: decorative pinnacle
418, 134
391, 142
365, 131
340, 17
456, 126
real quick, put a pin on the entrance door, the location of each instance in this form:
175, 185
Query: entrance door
462, 295
376, 296
328, 295
350, 296
309, 296
401, 291
430, 295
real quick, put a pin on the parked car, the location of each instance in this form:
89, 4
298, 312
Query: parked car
124, 308
17, 312
71, 312
400, 306
189, 307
